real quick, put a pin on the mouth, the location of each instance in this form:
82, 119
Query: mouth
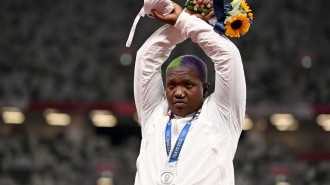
179, 104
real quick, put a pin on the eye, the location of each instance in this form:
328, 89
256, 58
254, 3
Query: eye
170, 85
189, 85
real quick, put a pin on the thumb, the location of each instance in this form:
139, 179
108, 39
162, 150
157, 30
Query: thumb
157, 15
208, 16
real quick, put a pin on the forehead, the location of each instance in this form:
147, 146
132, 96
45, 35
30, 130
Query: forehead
182, 73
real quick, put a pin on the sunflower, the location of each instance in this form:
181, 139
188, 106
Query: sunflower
245, 7
250, 16
238, 25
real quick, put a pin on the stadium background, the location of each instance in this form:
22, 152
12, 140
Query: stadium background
67, 105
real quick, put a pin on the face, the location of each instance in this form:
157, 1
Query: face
185, 91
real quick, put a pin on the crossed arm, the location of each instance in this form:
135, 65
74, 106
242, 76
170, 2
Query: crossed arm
230, 90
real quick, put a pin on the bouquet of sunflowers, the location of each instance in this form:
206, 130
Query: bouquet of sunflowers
239, 19
233, 19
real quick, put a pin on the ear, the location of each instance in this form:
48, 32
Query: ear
205, 89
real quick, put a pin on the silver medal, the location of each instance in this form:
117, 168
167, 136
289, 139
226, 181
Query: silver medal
167, 178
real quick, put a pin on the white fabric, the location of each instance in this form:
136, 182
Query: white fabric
177, 126
207, 154
213, 20
161, 6
131, 33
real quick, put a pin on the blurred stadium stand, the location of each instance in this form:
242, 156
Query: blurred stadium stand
67, 105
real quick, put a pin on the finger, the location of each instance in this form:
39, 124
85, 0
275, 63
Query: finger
202, 3
158, 15
205, 3
208, 16
210, 4
198, 3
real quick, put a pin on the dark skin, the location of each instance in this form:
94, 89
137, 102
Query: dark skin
203, 3
172, 17
185, 91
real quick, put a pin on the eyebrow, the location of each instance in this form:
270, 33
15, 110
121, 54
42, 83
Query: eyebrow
184, 79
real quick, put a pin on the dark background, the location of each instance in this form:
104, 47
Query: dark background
71, 56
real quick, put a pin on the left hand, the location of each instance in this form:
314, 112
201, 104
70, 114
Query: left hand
199, 15
203, 3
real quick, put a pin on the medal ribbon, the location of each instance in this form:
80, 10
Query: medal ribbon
220, 10
179, 142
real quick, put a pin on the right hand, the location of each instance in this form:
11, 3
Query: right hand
169, 18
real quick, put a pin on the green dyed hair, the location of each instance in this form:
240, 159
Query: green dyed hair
190, 61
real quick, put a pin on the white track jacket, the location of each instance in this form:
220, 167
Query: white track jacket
207, 154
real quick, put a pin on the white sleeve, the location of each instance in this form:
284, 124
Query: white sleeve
148, 84
230, 88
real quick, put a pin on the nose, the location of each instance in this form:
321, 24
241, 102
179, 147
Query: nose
178, 93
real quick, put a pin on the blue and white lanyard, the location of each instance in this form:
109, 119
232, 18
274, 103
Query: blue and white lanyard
179, 142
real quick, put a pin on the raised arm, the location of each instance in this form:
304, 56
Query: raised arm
230, 88
148, 85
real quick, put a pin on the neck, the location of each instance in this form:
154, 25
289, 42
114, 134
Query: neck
179, 117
